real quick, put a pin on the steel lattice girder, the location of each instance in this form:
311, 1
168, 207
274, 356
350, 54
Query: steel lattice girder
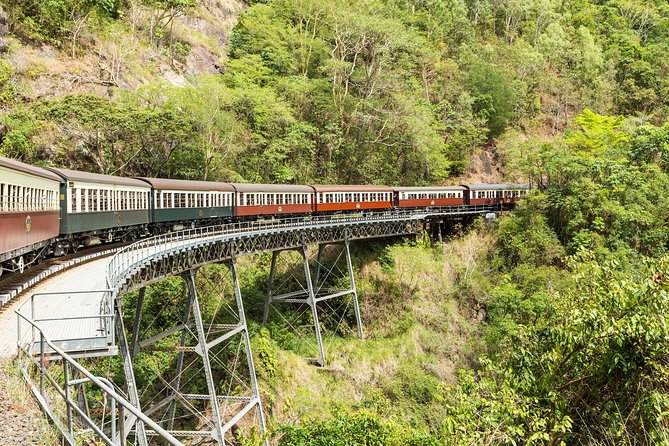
176, 262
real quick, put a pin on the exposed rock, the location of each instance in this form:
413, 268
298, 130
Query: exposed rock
175, 79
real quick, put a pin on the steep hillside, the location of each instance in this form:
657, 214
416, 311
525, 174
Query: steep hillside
311, 90
98, 54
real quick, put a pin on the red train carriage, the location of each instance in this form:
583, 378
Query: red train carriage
352, 197
28, 213
272, 199
413, 197
495, 193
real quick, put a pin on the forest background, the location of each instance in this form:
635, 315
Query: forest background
548, 327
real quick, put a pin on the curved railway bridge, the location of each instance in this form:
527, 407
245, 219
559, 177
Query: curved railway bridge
211, 394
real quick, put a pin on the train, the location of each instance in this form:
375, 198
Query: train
47, 211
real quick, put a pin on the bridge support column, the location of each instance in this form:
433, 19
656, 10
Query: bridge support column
315, 291
199, 396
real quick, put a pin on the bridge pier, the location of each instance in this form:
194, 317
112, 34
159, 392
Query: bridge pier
198, 401
314, 291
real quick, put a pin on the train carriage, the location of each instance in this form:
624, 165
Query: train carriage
411, 197
175, 203
272, 199
339, 198
494, 193
29, 213
97, 207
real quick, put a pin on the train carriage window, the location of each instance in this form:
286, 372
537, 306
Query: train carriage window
83, 200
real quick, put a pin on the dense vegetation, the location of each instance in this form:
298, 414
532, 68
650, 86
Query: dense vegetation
554, 316
380, 91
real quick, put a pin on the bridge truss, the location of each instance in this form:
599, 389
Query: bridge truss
209, 348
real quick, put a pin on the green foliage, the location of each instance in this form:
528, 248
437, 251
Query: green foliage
526, 237
494, 97
54, 21
361, 428
7, 91
597, 134
115, 137
264, 349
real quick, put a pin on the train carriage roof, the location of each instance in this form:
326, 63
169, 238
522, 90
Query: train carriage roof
189, 185
496, 186
76, 175
429, 189
272, 188
27, 168
350, 188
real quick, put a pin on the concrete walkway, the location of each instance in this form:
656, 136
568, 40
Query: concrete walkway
89, 276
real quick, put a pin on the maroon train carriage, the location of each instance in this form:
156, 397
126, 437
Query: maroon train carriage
337, 198
414, 197
495, 193
272, 199
29, 213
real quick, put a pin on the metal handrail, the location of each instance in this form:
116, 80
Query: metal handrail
137, 253
106, 314
101, 383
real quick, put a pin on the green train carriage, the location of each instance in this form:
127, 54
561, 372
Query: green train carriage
177, 204
96, 207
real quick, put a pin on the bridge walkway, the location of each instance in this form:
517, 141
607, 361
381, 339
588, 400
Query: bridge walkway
63, 304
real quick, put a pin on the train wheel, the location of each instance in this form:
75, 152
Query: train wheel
21, 265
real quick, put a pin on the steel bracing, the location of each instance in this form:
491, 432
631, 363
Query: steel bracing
212, 384
312, 291
181, 405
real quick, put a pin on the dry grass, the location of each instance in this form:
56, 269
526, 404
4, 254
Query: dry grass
20, 408
417, 325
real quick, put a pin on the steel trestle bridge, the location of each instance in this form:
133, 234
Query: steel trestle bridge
194, 404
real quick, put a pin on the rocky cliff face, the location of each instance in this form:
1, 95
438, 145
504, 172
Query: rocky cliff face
147, 45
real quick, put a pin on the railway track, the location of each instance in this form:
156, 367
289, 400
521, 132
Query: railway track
14, 284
